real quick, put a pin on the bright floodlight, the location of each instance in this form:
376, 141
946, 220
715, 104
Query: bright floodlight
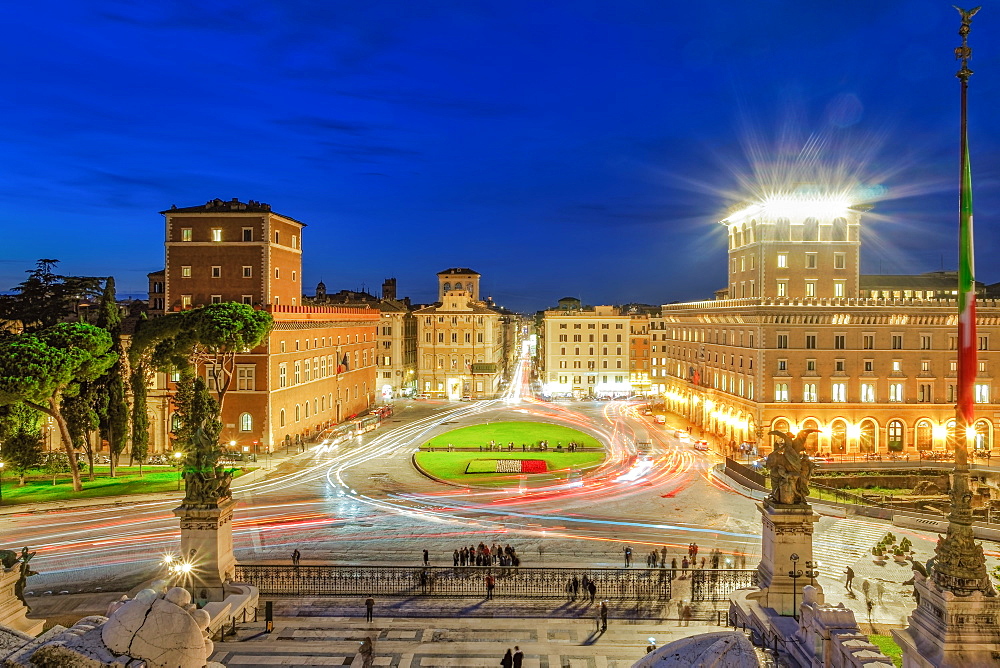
796, 207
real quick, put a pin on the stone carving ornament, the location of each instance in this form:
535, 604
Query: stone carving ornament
790, 468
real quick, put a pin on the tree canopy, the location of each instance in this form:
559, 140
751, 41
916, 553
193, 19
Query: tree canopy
45, 298
41, 368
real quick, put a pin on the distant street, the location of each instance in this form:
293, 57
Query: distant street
363, 501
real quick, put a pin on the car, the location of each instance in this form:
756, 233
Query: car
422, 396
647, 412
660, 419
701, 445
684, 437
467, 398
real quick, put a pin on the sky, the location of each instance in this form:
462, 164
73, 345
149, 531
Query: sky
559, 148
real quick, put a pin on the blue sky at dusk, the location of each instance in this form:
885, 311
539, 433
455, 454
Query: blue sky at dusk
560, 148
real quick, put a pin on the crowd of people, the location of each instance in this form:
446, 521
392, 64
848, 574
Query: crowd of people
715, 559
485, 555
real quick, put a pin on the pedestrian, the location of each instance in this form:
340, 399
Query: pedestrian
686, 614
369, 607
694, 548
850, 578
604, 616
455, 557
663, 557
592, 588
684, 565
628, 556
880, 590
575, 584
673, 564
680, 611
367, 651
508, 660
295, 557
427, 558
518, 657
490, 584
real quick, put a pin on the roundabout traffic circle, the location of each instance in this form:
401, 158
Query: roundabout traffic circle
499, 454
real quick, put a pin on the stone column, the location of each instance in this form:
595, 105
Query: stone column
207, 545
788, 530
13, 612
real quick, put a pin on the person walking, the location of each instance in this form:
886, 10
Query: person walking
694, 550
575, 587
663, 557
628, 556
367, 652
454, 557
296, 556
427, 558
686, 614
850, 579
508, 660
518, 657
369, 608
490, 584
604, 616
592, 588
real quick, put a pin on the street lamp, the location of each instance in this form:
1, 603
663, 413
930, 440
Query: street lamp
812, 571
795, 574
178, 456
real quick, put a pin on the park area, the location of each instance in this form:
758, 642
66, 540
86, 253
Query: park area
482, 454
39, 488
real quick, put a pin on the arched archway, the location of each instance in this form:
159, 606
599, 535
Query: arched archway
838, 437
984, 435
895, 433
867, 437
925, 435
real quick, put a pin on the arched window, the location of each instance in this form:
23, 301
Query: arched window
175, 423
447, 286
838, 437
307, 408
839, 229
281, 418
983, 433
781, 229
950, 436
246, 422
458, 286
298, 412
866, 438
925, 435
894, 432
810, 230
780, 425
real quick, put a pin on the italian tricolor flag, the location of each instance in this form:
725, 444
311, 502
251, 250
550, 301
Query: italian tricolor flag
966, 299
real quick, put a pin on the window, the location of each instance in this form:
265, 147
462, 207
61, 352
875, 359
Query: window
295, 241
781, 391
782, 365
897, 366
185, 272
277, 272
782, 260
810, 365
277, 237
924, 393
897, 341
838, 366
297, 374
982, 393
782, 341
216, 272
298, 413
810, 340
216, 234
782, 288
867, 392
925, 341
809, 392
247, 271
868, 341
839, 341
810, 260
246, 422
810, 288
839, 261
293, 275
216, 299
869, 365
839, 392
185, 301
185, 234
984, 343
895, 392
838, 289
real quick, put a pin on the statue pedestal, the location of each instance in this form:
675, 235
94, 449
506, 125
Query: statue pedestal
946, 630
13, 613
207, 544
788, 530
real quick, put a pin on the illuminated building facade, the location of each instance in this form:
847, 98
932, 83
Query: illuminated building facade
793, 344
586, 351
638, 351
318, 365
464, 345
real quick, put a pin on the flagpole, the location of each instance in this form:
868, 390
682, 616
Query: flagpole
959, 564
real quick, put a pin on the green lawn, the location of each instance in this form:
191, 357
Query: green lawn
452, 465
39, 489
518, 432
888, 647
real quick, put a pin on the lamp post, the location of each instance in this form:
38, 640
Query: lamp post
178, 456
795, 574
812, 571
1, 482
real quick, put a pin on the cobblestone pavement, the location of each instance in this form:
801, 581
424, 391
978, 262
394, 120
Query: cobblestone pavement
449, 640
